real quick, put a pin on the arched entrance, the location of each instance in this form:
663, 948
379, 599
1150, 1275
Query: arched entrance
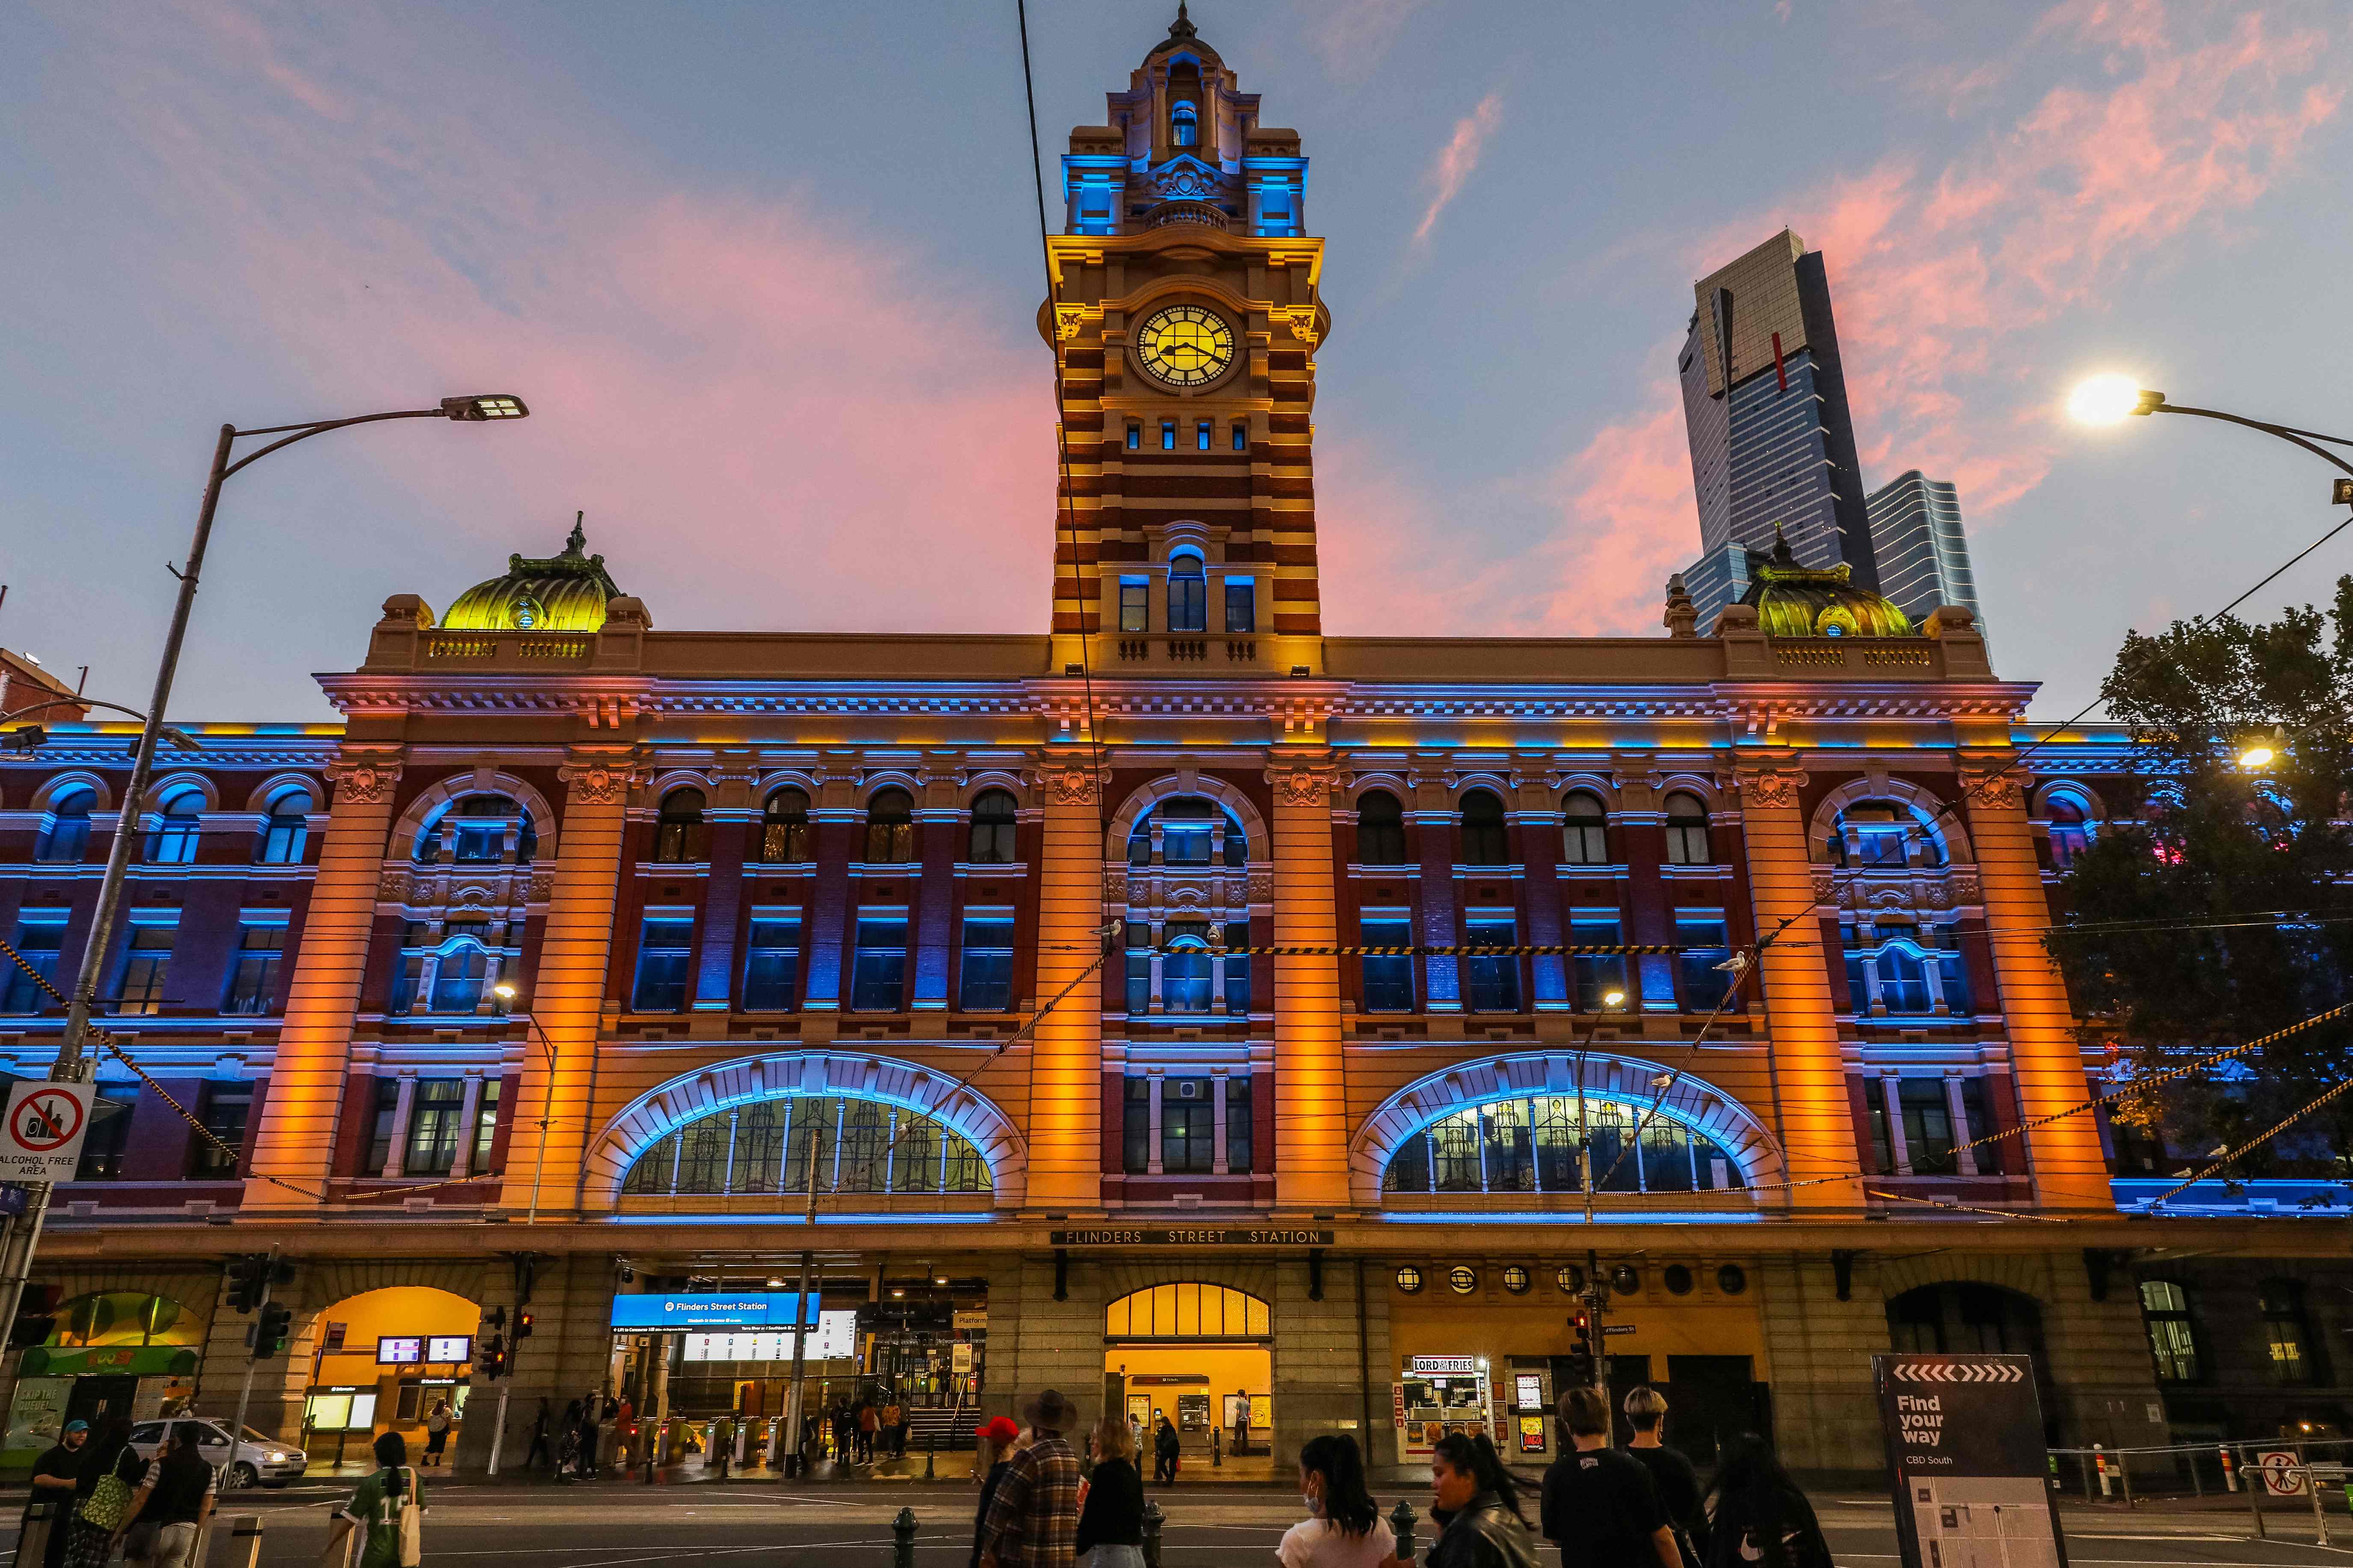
110, 1353
1964, 1316
384, 1359
1200, 1356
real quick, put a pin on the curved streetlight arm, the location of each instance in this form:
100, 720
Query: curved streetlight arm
2282, 431
304, 432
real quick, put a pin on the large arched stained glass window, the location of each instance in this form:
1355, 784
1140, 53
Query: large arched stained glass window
763, 1148
1531, 1145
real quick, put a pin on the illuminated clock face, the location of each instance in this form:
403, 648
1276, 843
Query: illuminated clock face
1185, 345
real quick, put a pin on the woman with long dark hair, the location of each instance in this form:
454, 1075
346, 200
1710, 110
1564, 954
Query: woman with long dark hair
106, 1496
387, 1505
1476, 1506
1756, 1516
1343, 1528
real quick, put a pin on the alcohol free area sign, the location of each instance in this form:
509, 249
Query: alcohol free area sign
1966, 1462
46, 1124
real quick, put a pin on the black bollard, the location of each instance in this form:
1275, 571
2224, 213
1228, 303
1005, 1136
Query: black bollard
1152, 1520
1401, 1522
902, 1540
930, 1455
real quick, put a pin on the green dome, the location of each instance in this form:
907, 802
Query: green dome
564, 592
1794, 601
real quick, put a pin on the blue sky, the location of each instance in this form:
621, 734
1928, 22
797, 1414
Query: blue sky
767, 274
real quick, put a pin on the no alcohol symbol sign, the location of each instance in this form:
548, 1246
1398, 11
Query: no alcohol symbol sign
46, 1122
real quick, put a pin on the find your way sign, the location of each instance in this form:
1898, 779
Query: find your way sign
1966, 1461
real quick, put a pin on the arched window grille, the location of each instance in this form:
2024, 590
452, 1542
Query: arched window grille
1687, 841
1485, 840
1184, 126
1532, 1144
764, 1148
994, 814
785, 826
1188, 592
679, 831
65, 838
1585, 830
1380, 829
174, 841
1188, 827
287, 830
890, 827
1187, 1310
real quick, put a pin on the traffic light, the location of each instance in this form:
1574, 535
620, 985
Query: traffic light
491, 1360
249, 1282
496, 1318
522, 1326
272, 1329
37, 1307
1580, 1332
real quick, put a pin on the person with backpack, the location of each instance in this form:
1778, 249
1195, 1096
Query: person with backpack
436, 1432
183, 1497
1756, 1516
1476, 1506
107, 1494
1601, 1507
387, 1505
1166, 1447
1678, 1483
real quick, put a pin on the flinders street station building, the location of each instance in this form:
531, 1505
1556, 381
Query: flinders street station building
1178, 1006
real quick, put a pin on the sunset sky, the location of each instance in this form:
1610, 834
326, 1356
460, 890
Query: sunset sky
766, 273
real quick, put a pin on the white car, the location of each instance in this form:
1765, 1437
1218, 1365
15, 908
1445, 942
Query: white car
261, 1459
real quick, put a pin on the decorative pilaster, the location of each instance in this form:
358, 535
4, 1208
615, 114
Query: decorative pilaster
1066, 1048
2062, 1156
1816, 1129
296, 1141
1311, 1109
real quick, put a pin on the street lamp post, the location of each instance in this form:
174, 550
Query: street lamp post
1610, 1002
2113, 399
546, 1100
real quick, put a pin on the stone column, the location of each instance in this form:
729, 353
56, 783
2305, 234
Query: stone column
575, 950
2064, 1156
296, 1141
1816, 1129
1311, 1109
1066, 1048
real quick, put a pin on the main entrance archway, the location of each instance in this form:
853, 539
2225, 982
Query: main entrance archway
1199, 1356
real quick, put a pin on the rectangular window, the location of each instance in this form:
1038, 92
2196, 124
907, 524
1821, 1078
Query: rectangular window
1491, 983
1242, 605
1881, 1150
1981, 1126
459, 972
986, 983
1238, 968
1388, 978
109, 1135
1598, 973
1702, 936
223, 1110
387, 1110
2172, 1336
1168, 434
408, 965
1188, 1135
1139, 967
1241, 437
481, 843
1135, 436
1189, 597
1202, 430
40, 942
1238, 1125
1134, 605
253, 983
486, 1126
1184, 968
1135, 1127
1927, 1126
433, 1127
146, 963
879, 973
772, 964
664, 948
2292, 1365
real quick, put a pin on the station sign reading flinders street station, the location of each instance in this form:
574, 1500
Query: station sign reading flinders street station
1188, 1236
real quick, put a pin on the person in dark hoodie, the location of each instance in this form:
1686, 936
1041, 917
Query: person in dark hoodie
1756, 1516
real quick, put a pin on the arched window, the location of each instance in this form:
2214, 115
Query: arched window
1585, 830
1879, 834
1380, 829
679, 831
284, 836
1184, 126
1687, 842
1187, 1310
1188, 827
174, 842
2070, 830
1484, 840
66, 836
1533, 1144
992, 816
457, 978
890, 827
1188, 592
763, 1149
475, 831
785, 826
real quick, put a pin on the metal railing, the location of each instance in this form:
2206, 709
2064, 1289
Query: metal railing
2270, 1475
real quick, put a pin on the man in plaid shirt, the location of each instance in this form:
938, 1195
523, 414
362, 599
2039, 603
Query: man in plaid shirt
1033, 1521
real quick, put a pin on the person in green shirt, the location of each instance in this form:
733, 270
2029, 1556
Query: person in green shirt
376, 1507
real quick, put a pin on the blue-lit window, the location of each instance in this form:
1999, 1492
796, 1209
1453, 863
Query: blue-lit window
1202, 429
1241, 437
174, 841
1139, 968
1168, 434
1486, 839
1134, 605
1184, 126
664, 948
103, 1146
765, 1147
1598, 973
463, 966
1704, 945
1135, 436
1687, 842
890, 827
146, 963
1585, 830
253, 979
1185, 835
1894, 966
2070, 830
1389, 978
679, 831
1238, 1125
480, 835
1526, 1144
1188, 593
1242, 605
1238, 968
39, 942
1491, 981
994, 823
879, 972
987, 984
65, 836
1184, 968
772, 964
1136, 1126
1880, 835
287, 829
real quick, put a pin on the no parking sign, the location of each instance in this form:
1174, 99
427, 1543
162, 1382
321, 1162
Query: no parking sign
46, 1122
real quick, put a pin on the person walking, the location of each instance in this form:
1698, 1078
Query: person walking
1756, 1514
1475, 1505
996, 1453
869, 1422
105, 1496
1242, 1422
182, 1499
437, 1433
1110, 1519
1343, 1528
54, 1474
389, 1506
1033, 1521
1601, 1507
893, 1414
539, 1449
1678, 1483
592, 1410
1166, 1450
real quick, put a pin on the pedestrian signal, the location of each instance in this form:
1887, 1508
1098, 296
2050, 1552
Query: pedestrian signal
272, 1329
249, 1282
523, 1327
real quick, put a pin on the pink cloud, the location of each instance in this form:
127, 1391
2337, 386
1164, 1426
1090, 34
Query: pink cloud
1352, 35
1458, 159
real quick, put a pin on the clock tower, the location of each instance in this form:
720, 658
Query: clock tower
1186, 316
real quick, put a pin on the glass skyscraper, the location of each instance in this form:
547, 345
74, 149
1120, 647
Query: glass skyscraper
1924, 558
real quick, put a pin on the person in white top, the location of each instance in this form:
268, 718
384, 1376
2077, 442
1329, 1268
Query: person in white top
1343, 1528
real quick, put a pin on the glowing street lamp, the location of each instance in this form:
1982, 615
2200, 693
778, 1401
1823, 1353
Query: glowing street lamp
2111, 399
2258, 750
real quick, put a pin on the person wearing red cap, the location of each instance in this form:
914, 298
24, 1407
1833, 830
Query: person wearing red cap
996, 1444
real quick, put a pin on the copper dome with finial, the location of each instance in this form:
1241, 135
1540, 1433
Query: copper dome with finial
563, 593
1794, 601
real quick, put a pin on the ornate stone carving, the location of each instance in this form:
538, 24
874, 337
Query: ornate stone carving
2002, 791
542, 886
364, 781
1115, 887
1262, 885
1773, 787
1825, 884
1068, 321
393, 887
1072, 787
1964, 883
597, 783
1301, 319
1302, 787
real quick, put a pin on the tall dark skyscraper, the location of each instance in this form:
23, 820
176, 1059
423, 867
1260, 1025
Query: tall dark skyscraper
1772, 443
